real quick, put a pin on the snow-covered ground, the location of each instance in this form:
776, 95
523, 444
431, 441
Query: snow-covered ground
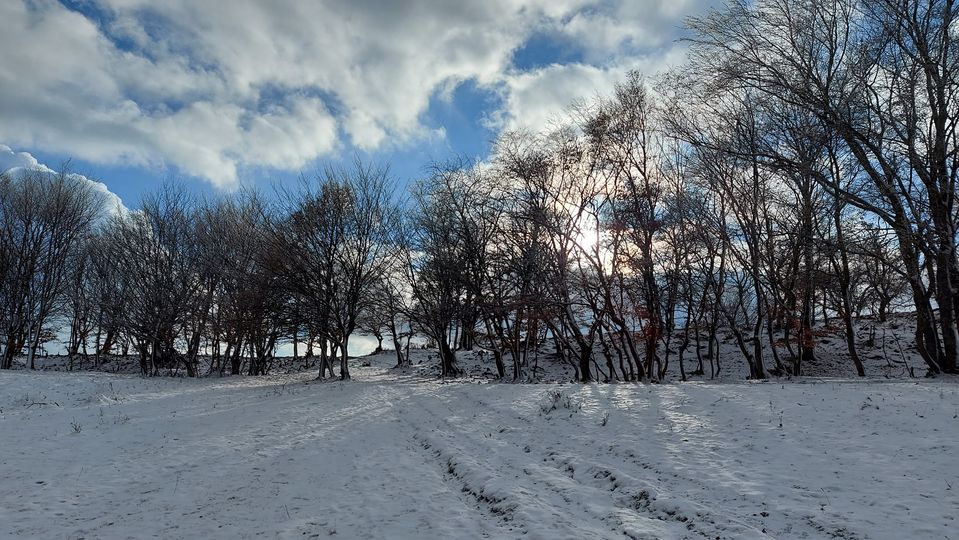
402, 455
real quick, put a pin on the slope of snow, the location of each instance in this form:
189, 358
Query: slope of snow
401, 455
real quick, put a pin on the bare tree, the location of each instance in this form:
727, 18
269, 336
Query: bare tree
44, 217
881, 76
158, 252
433, 250
337, 244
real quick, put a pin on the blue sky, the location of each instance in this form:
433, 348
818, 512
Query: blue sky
135, 92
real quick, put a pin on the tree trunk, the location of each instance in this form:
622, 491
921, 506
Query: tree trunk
344, 359
448, 367
947, 314
927, 342
585, 355
400, 359
845, 289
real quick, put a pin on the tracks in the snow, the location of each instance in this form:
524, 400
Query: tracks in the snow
525, 468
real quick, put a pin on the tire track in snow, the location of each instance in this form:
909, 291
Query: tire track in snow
574, 505
626, 494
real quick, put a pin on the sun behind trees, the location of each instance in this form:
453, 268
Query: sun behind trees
799, 171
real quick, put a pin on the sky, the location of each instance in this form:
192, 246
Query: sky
224, 94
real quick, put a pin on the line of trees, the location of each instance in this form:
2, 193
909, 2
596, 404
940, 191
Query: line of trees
800, 170
180, 279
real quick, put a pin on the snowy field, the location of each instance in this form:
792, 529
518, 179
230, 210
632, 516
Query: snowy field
402, 455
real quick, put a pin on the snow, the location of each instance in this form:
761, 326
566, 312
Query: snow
399, 454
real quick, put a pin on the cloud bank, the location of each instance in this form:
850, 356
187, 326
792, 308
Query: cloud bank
17, 163
213, 88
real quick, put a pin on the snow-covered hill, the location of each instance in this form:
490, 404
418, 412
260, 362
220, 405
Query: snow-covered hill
402, 455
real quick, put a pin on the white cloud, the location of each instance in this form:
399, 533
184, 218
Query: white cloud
16, 163
212, 88
538, 99
627, 26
